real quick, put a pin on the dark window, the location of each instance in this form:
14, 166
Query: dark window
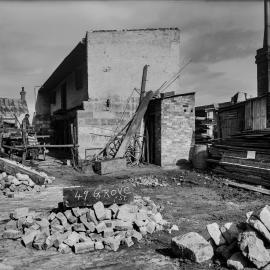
79, 78
53, 97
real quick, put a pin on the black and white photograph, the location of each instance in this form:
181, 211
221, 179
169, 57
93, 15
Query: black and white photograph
134, 134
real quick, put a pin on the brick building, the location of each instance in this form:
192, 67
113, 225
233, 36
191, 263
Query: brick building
93, 89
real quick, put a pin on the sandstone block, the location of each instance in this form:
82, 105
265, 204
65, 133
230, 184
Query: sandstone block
137, 236
237, 261
108, 232
123, 225
215, 233
90, 215
150, 227
11, 225
108, 214
99, 245
259, 226
99, 210
101, 227
78, 227
253, 248
59, 238
230, 232
71, 219
12, 234
64, 249
39, 241
128, 241
19, 213
114, 208
28, 238
264, 216
72, 239
57, 229
113, 243
192, 246
84, 247
62, 218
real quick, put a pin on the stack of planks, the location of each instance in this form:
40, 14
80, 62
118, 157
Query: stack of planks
244, 157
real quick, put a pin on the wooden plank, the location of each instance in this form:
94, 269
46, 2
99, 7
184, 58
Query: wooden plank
248, 187
136, 122
12, 168
87, 196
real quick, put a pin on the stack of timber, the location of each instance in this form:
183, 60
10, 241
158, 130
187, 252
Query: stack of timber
244, 157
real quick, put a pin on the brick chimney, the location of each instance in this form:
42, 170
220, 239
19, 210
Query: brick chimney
263, 55
23, 93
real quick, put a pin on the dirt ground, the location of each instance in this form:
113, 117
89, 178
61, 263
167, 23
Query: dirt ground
191, 200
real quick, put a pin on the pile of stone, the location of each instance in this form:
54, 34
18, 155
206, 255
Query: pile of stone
86, 229
147, 180
10, 184
238, 245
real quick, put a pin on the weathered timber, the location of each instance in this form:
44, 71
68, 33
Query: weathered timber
12, 168
87, 196
248, 187
109, 166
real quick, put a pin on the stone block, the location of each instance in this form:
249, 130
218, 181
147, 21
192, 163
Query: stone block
101, 227
19, 213
108, 232
64, 248
84, 247
76, 211
71, 219
259, 226
114, 208
237, 261
108, 214
137, 235
11, 225
253, 248
39, 241
264, 216
78, 227
28, 238
12, 234
150, 227
90, 215
123, 225
224, 252
96, 237
55, 222
72, 239
192, 246
215, 233
57, 229
59, 238
49, 242
99, 210
230, 232
62, 218
99, 245
113, 243
143, 230
128, 241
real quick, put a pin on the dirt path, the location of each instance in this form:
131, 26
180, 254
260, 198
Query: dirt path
191, 200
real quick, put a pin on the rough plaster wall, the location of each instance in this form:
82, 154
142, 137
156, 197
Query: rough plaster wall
116, 60
74, 97
177, 129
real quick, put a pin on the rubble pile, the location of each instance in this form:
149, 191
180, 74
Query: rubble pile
86, 229
147, 180
10, 184
238, 245
19, 183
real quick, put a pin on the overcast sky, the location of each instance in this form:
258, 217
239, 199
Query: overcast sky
221, 38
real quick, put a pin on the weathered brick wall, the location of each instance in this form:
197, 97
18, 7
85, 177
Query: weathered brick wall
97, 123
177, 128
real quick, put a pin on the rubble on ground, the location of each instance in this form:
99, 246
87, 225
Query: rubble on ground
147, 180
86, 229
237, 245
10, 184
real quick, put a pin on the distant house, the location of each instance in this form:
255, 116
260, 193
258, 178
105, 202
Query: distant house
96, 90
12, 110
206, 120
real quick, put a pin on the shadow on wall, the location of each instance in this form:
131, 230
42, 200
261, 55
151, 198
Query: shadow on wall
184, 163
